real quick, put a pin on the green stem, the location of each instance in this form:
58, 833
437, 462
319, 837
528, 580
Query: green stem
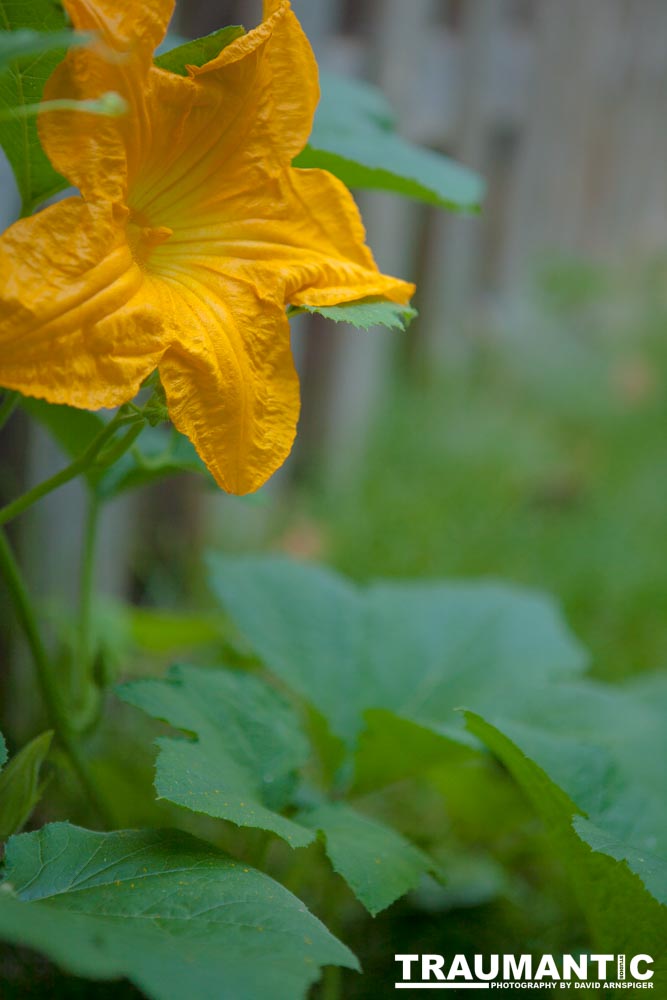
86, 692
87, 573
332, 983
52, 700
117, 449
79, 465
9, 403
81, 667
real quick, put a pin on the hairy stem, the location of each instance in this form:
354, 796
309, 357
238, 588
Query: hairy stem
117, 449
79, 465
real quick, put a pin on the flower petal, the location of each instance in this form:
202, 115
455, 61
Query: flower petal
230, 380
237, 120
276, 62
76, 323
95, 152
299, 237
137, 28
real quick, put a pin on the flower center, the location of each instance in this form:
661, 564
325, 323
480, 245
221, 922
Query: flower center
143, 238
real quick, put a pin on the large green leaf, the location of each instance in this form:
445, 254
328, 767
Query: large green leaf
22, 84
172, 914
591, 756
419, 649
619, 887
628, 813
242, 767
377, 862
354, 137
3, 750
248, 746
606, 747
21, 786
651, 869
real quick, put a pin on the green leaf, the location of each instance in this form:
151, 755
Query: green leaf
174, 915
21, 84
651, 869
160, 452
377, 862
242, 767
418, 649
365, 313
24, 42
20, 787
608, 890
248, 746
198, 51
3, 750
606, 747
353, 137
72, 429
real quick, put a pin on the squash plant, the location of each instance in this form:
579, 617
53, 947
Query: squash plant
278, 754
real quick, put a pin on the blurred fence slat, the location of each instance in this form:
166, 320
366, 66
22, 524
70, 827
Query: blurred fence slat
360, 369
590, 176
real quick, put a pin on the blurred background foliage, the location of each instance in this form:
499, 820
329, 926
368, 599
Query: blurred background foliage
539, 457
517, 431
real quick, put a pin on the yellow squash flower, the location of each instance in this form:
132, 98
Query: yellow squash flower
192, 234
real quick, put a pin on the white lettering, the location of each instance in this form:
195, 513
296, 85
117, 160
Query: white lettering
570, 965
602, 962
517, 970
547, 967
634, 967
479, 967
432, 964
459, 967
406, 961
